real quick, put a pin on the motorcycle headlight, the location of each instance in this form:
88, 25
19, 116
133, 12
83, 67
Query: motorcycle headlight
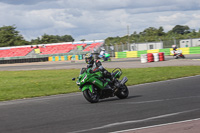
78, 83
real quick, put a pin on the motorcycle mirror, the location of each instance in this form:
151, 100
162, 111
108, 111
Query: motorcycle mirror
73, 78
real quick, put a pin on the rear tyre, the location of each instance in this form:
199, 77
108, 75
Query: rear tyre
91, 97
123, 92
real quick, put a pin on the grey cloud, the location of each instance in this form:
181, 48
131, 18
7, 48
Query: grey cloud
74, 12
94, 19
23, 2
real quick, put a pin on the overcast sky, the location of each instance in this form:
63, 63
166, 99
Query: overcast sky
96, 19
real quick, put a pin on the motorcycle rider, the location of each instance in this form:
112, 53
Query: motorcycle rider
96, 66
176, 52
175, 49
102, 54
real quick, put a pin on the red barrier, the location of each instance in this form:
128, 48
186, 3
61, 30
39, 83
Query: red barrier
161, 56
150, 57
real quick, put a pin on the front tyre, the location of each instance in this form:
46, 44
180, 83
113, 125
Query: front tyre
91, 97
123, 92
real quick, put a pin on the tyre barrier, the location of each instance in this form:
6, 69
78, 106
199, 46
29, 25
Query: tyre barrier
143, 58
152, 57
156, 57
161, 56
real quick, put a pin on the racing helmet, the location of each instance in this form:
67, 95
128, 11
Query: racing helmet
89, 59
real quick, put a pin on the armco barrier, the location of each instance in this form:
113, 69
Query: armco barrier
80, 57
141, 52
24, 60
64, 58
40, 59
131, 54
185, 51
120, 54
153, 51
166, 51
194, 50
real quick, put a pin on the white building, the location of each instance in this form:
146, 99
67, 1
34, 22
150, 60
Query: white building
146, 46
190, 42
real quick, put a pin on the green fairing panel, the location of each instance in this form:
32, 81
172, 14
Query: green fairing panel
99, 74
97, 82
85, 87
118, 75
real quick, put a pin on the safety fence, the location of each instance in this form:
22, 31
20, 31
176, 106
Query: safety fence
41, 59
167, 51
23, 60
65, 57
73, 57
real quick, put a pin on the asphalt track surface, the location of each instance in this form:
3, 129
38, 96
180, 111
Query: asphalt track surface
147, 105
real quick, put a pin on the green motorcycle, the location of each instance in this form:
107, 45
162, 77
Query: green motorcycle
95, 86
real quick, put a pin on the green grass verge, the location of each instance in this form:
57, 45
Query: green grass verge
27, 84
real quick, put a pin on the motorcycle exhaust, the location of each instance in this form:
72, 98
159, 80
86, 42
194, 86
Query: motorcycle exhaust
124, 80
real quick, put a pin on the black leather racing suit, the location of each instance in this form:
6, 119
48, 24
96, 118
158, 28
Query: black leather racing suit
97, 66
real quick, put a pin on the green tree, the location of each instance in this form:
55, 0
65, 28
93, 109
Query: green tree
9, 36
160, 31
152, 34
52, 39
82, 40
179, 29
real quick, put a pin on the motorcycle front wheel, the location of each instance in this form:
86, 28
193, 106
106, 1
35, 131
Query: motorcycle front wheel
91, 97
123, 92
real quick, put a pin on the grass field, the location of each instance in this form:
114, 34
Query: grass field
27, 84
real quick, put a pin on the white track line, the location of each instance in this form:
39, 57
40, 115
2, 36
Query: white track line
166, 80
42, 98
134, 121
134, 129
160, 100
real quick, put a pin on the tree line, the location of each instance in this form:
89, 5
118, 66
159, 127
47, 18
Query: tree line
153, 34
9, 36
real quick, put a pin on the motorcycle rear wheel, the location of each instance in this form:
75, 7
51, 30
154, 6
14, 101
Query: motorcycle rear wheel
91, 97
183, 56
123, 92
175, 57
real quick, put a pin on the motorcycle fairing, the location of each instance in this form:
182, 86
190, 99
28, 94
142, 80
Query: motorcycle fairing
85, 87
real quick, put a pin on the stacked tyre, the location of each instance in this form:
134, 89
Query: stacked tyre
161, 56
143, 58
156, 57
150, 57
